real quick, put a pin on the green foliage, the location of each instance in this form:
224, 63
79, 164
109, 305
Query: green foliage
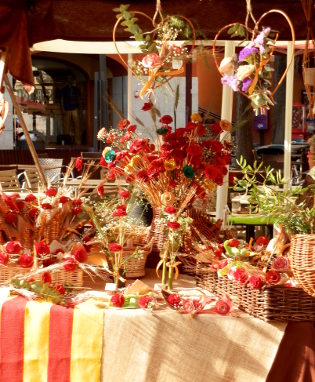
237, 30
265, 191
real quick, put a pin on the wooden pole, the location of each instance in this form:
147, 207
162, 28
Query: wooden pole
25, 131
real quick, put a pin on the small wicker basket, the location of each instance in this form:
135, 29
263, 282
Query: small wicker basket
135, 266
302, 261
271, 303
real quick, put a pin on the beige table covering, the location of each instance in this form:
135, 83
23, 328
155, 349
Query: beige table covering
170, 347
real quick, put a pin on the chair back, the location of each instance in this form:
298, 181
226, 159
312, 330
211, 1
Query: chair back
9, 180
51, 167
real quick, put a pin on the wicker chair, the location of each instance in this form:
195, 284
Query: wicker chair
9, 181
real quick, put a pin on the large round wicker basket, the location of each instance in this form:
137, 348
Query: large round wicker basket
302, 259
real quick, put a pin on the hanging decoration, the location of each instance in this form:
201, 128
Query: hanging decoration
164, 58
249, 72
308, 66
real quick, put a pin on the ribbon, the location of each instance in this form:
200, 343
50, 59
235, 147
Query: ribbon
175, 266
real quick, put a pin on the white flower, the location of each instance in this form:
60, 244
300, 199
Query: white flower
226, 66
244, 71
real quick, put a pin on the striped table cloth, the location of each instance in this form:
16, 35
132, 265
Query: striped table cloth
43, 342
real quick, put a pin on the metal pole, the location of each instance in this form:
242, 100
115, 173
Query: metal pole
288, 118
96, 112
226, 113
25, 131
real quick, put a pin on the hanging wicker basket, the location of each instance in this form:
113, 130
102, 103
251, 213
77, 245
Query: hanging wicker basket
302, 261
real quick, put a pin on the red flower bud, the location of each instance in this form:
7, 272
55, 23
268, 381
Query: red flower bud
69, 264
30, 198
118, 300
51, 192
13, 247
25, 260
114, 247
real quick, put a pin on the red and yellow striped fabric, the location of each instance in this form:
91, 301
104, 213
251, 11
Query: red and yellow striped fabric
42, 342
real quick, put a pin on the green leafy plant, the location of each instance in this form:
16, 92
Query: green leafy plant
267, 195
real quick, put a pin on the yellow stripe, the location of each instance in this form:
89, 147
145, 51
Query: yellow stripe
87, 342
36, 341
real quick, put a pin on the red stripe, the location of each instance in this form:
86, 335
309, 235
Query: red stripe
12, 340
60, 334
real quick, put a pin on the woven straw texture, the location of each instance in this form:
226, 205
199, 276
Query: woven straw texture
302, 261
269, 303
135, 266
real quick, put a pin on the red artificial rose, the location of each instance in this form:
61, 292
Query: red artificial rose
255, 282
20, 205
211, 172
132, 128
118, 300
122, 124
76, 210
77, 202
201, 129
222, 307
4, 258
10, 217
46, 206
262, 240
234, 243
80, 254
194, 150
166, 119
51, 192
42, 248
114, 247
241, 275
100, 190
281, 263
144, 301
33, 212
13, 247
124, 193
10, 202
147, 106
25, 260
216, 128
170, 210
120, 211
46, 278
78, 164
174, 299
63, 199
173, 225
272, 277
69, 264
60, 288
30, 198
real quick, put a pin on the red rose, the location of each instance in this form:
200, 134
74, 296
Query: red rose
76, 210
63, 199
132, 128
124, 193
60, 288
222, 307
233, 243
170, 210
46, 206
69, 264
80, 254
122, 124
281, 263
174, 299
255, 282
173, 225
194, 150
77, 202
151, 60
272, 277
25, 260
100, 190
10, 217
4, 258
46, 278
51, 192
166, 119
118, 300
114, 247
216, 128
147, 106
211, 172
30, 198
262, 240
33, 212
42, 248
241, 275
13, 247
120, 211
144, 301
78, 164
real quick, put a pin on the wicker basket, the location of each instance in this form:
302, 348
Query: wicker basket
269, 304
302, 261
60, 276
135, 267
158, 231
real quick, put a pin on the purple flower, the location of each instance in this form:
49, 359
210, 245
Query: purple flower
246, 52
246, 84
260, 39
230, 81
